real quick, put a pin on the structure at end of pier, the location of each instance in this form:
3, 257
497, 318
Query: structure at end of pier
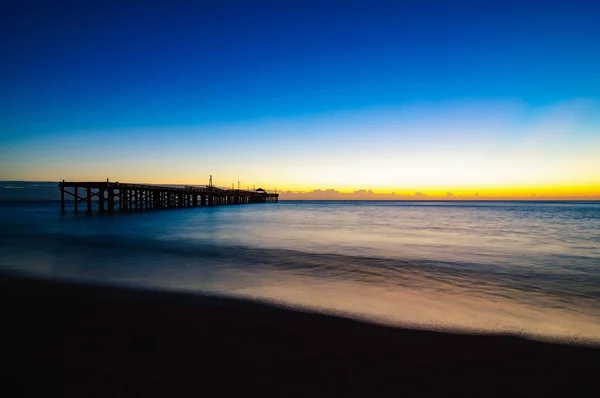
114, 196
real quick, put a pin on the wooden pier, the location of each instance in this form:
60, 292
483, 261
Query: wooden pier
114, 196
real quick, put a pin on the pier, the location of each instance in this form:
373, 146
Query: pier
115, 196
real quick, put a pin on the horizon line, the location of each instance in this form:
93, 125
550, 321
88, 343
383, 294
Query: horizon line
460, 194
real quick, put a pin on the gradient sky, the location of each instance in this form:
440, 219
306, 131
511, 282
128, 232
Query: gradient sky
495, 97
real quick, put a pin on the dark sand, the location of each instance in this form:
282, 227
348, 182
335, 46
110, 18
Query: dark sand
67, 340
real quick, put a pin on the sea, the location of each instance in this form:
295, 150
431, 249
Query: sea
526, 268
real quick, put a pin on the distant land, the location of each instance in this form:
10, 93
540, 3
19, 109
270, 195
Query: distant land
332, 194
48, 190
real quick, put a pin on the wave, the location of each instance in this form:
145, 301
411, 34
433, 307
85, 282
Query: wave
473, 278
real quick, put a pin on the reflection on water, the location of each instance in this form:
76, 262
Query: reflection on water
531, 268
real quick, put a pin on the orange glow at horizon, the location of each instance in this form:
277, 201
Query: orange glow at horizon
530, 193
448, 150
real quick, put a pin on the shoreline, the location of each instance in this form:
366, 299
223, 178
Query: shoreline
115, 341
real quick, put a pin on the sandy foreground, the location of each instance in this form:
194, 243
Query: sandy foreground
63, 339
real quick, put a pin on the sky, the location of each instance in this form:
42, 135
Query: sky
438, 99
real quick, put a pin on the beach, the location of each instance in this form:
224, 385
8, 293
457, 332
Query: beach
387, 299
67, 339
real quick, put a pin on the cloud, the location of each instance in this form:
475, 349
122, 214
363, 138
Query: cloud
364, 194
361, 194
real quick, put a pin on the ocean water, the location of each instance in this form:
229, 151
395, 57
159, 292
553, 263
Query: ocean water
527, 268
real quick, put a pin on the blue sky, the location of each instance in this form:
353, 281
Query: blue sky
128, 84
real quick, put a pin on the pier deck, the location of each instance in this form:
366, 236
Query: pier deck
112, 196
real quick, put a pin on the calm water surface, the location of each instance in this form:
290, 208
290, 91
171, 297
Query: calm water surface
520, 267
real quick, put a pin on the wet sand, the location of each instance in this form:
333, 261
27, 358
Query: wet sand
60, 339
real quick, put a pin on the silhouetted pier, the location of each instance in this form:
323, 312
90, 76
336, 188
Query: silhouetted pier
115, 196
